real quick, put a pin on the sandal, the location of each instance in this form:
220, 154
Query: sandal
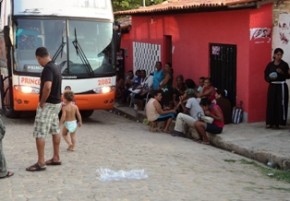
269, 126
9, 174
154, 129
205, 142
166, 131
51, 162
36, 167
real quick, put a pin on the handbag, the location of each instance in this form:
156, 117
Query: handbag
207, 119
237, 115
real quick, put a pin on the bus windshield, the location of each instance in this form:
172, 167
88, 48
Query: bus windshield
80, 48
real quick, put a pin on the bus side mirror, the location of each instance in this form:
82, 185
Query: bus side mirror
117, 36
7, 38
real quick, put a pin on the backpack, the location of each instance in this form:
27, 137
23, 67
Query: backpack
237, 115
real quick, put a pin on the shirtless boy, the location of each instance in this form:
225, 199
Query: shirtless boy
70, 119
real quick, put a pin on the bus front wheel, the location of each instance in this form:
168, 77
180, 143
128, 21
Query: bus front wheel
7, 107
10, 113
86, 113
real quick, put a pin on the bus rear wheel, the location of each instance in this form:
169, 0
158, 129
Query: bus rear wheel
86, 113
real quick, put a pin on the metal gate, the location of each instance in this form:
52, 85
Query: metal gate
223, 64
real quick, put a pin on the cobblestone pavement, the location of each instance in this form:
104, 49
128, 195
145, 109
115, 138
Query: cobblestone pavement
177, 168
251, 140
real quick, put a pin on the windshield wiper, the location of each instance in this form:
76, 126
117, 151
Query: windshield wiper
82, 55
59, 50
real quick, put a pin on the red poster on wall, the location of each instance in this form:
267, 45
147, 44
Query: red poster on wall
260, 35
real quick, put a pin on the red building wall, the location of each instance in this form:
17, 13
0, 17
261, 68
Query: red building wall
191, 34
260, 55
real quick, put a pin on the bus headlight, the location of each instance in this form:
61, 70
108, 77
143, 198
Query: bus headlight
103, 90
27, 89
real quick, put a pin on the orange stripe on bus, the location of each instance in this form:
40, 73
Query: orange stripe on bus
29, 102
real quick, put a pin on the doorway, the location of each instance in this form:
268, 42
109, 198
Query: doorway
168, 49
223, 68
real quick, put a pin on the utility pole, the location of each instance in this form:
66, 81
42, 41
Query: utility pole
144, 2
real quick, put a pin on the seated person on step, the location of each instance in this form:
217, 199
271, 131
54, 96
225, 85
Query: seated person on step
128, 83
208, 90
155, 113
146, 86
225, 105
178, 90
191, 112
136, 84
211, 109
135, 87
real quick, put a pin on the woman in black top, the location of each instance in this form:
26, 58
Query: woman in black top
166, 87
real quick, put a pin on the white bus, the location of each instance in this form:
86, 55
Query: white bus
79, 37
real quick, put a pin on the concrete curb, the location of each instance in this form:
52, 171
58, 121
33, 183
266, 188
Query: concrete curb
217, 141
260, 156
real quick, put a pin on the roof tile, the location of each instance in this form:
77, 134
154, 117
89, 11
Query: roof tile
174, 5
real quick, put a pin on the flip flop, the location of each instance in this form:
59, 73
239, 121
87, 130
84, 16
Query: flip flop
205, 142
36, 167
166, 131
51, 162
196, 140
9, 174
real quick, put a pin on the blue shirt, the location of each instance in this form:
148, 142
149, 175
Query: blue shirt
158, 76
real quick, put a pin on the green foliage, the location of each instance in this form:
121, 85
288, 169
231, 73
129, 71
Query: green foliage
119, 5
283, 175
230, 161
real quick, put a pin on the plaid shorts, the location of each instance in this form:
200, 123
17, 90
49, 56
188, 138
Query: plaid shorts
46, 120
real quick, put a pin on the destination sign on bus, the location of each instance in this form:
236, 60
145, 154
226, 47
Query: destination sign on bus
29, 81
80, 8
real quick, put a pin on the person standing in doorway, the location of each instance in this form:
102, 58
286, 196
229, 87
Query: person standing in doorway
166, 87
275, 74
46, 119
